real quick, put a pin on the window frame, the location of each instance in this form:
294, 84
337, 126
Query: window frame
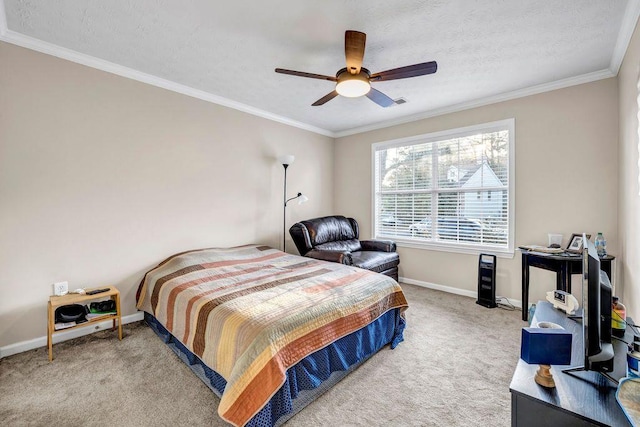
457, 247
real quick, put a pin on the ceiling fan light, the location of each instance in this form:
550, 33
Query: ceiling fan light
353, 86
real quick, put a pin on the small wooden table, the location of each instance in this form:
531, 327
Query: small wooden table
58, 301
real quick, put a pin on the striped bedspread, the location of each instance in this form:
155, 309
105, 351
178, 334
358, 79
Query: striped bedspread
251, 312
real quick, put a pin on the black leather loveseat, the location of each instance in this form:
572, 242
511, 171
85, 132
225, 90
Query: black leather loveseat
335, 238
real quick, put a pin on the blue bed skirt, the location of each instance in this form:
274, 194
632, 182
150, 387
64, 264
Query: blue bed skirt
310, 377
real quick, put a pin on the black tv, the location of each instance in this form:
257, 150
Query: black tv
596, 320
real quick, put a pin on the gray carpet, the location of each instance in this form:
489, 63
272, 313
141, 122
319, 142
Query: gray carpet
453, 369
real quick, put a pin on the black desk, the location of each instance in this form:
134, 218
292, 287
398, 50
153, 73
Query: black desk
580, 398
563, 264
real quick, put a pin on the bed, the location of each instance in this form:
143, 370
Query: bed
267, 331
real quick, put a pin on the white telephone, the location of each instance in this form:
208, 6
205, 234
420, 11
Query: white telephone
564, 301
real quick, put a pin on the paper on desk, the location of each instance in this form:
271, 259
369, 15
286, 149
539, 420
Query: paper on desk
543, 249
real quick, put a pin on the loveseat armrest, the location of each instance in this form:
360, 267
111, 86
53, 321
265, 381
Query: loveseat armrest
378, 245
333, 256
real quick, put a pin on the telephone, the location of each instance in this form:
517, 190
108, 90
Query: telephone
564, 301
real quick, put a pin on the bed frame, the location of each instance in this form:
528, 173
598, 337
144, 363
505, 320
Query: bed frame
309, 378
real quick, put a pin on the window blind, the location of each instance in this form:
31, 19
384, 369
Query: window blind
452, 189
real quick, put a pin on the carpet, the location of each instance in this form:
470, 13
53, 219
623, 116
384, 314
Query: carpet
453, 369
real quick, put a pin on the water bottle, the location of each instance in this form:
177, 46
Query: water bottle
532, 311
601, 245
618, 317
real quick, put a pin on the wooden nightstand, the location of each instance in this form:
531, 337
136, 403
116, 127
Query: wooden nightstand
57, 301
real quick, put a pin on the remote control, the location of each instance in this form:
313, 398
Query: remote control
96, 291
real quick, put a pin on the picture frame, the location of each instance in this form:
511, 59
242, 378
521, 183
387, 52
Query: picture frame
576, 244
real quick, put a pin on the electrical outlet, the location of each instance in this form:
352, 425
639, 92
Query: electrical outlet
60, 288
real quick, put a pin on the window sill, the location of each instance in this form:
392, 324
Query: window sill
461, 249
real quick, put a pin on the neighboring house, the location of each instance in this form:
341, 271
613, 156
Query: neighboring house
453, 174
478, 204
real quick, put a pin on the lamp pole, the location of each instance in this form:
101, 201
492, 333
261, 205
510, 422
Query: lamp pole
284, 227
286, 161
284, 212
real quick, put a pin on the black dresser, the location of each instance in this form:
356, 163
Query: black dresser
580, 398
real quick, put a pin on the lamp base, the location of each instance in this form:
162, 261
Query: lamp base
544, 378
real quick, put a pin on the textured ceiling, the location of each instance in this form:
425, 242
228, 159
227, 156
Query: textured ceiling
230, 49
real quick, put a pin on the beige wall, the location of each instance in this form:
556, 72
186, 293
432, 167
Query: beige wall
102, 177
566, 180
629, 204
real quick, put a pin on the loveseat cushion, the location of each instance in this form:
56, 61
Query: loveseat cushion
329, 229
350, 245
378, 245
375, 261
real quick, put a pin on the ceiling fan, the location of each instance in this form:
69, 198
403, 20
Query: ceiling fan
355, 80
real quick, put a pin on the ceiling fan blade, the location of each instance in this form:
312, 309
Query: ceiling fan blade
406, 72
326, 98
380, 98
354, 42
303, 74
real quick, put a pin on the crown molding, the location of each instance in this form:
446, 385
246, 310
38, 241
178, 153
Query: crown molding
110, 67
629, 22
507, 96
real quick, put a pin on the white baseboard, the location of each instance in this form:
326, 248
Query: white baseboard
20, 347
449, 289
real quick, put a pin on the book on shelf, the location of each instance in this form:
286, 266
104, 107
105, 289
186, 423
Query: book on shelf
91, 316
64, 325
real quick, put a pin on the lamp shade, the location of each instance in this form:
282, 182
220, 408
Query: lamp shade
302, 199
287, 159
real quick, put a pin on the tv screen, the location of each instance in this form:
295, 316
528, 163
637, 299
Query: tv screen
596, 296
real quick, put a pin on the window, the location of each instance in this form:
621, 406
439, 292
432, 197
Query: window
448, 190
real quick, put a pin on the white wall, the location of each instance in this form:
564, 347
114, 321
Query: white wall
566, 180
102, 177
629, 187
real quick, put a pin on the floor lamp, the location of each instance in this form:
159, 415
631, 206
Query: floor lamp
286, 161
